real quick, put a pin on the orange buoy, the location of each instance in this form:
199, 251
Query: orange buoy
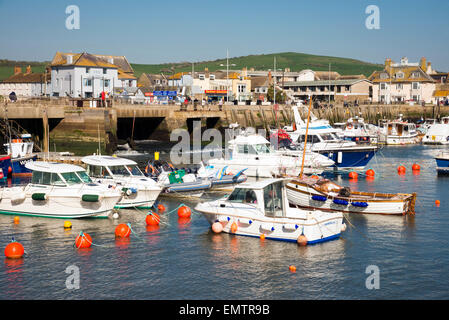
315, 177
262, 237
16, 220
122, 230
401, 169
370, 172
353, 175
152, 219
437, 203
14, 250
83, 240
161, 208
184, 212
217, 227
234, 227
292, 268
416, 167
302, 240
9, 169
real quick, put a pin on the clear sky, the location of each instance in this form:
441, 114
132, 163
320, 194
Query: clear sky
194, 30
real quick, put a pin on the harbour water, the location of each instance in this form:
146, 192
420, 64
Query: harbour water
185, 260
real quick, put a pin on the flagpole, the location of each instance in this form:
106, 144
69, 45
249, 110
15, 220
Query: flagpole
305, 139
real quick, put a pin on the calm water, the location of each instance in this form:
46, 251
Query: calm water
184, 260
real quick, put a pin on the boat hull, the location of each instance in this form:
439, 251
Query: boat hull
142, 199
350, 158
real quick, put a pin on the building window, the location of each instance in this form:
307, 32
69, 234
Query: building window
87, 82
416, 98
88, 70
212, 77
384, 75
400, 75
201, 76
399, 86
106, 83
105, 71
415, 85
383, 86
241, 88
415, 75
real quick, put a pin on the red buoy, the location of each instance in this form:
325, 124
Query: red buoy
416, 167
184, 212
161, 208
14, 250
83, 240
370, 173
353, 175
302, 240
437, 203
234, 227
152, 219
292, 268
122, 231
401, 169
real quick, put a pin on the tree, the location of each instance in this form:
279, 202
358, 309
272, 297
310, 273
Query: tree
280, 95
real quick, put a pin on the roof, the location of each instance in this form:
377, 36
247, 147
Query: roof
55, 167
259, 82
123, 75
27, 78
347, 82
407, 70
325, 75
80, 59
106, 161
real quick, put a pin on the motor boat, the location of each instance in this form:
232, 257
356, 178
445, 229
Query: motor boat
123, 174
355, 129
261, 209
442, 161
59, 190
322, 194
177, 182
19, 151
397, 132
437, 133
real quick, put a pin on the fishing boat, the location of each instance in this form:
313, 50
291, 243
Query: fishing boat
59, 190
262, 208
123, 174
397, 132
437, 133
323, 194
442, 161
19, 151
177, 182
254, 153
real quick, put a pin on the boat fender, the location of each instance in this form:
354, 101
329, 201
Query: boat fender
245, 221
291, 226
341, 202
267, 227
39, 196
359, 204
90, 197
18, 197
319, 198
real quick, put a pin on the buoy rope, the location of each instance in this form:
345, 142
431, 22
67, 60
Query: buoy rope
85, 238
349, 222
133, 232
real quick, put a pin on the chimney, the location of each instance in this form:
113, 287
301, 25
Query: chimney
423, 64
251, 69
206, 69
287, 69
244, 71
111, 60
17, 70
270, 78
429, 67
28, 70
387, 64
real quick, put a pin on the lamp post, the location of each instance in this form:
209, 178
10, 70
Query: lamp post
227, 74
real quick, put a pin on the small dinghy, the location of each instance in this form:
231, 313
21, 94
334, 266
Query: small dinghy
323, 194
59, 190
221, 179
262, 209
177, 182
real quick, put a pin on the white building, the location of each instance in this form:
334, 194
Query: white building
26, 84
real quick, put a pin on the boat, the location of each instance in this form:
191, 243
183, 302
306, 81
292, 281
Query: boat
19, 150
437, 133
254, 153
355, 129
176, 182
59, 190
123, 174
442, 161
423, 125
397, 132
221, 179
322, 194
322, 138
262, 208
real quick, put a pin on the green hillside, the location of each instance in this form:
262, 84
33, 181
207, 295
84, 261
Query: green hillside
294, 61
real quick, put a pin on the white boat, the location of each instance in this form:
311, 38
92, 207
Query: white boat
59, 190
20, 150
437, 133
397, 132
442, 162
262, 208
355, 129
255, 154
124, 175
323, 194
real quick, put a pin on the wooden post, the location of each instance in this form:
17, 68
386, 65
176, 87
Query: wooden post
305, 139
46, 130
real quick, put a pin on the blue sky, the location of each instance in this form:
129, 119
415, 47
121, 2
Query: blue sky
195, 30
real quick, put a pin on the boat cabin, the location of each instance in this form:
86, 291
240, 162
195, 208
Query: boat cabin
268, 195
108, 167
57, 174
20, 147
249, 145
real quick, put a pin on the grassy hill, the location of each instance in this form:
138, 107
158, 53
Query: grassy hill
294, 61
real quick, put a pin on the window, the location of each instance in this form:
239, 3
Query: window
105, 71
242, 195
201, 76
88, 70
135, 171
310, 139
383, 86
106, 83
384, 75
87, 82
71, 178
399, 75
415, 85
119, 170
241, 88
272, 195
415, 75
261, 148
84, 177
399, 86
212, 77
98, 172
46, 178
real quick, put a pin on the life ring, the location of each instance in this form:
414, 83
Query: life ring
349, 126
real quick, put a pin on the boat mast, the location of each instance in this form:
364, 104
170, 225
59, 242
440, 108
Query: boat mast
305, 139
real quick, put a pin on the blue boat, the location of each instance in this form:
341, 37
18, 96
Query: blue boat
442, 161
18, 153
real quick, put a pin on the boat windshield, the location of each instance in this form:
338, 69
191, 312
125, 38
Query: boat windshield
243, 195
71, 178
262, 148
84, 176
119, 170
135, 171
327, 136
47, 178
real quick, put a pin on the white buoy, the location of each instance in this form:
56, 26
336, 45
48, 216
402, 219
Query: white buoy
115, 215
343, 227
